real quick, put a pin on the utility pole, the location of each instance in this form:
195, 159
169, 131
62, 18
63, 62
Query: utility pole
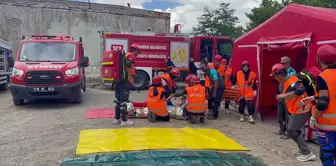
89, 4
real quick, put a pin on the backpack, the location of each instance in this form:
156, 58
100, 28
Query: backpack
308, 78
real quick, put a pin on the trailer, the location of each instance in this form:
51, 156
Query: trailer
156, 48
6, 64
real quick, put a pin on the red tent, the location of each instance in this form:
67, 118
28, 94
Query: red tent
296, 31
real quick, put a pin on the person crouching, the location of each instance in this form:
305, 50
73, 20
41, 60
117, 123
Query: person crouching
156, 102
196, 97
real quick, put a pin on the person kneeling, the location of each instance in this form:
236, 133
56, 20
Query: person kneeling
196, 97
156, 102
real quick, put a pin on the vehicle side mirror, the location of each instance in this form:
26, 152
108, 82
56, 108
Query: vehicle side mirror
85, 62
10, 61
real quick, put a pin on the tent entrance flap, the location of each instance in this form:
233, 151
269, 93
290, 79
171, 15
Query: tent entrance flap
271, 53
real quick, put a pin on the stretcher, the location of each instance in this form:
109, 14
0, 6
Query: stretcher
231, 94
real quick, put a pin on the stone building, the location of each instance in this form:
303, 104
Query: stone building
27, 17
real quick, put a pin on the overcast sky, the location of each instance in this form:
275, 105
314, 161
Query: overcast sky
185, 12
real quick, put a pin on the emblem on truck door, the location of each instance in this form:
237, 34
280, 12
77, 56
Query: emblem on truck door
44, 77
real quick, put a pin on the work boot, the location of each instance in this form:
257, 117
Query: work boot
242, 119
116, 121
280, 132
307, 157
285, 136
297, 152
251, 120
127, 123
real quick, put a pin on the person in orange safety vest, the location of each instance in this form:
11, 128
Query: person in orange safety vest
168, 80
245, 82
228, 79
293, 93
324, 110
214, 84
217, 65
196, 97
156, 101
122, 87
130, 58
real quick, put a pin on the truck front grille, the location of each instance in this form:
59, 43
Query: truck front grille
44, 77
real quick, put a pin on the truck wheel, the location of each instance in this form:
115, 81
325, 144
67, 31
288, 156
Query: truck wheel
4, 87
79, 97
17, 102
141, 80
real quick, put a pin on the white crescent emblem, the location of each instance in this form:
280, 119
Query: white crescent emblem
292, 85
106, 71
110, 56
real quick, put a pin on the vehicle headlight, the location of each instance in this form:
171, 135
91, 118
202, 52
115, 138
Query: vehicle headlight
72, 72
17, 72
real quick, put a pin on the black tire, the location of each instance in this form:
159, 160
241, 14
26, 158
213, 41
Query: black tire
4, 87
18, 102
141, 80
151, 117
79, 97
84, 84
202, 119
193, 119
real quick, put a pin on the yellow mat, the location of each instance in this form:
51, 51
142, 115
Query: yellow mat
132, 139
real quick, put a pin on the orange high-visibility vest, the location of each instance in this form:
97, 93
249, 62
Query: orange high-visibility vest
327, 119
245, 87
196, 96
155, 104
294, 103
131, 70
220, 68
227, 76
167, 78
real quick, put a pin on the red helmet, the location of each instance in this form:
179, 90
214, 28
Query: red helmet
188, 78
245, 63
136, 46
218, 58
224, 62
195, 79
277, 67
156, 80
327, 53
131, 57
175, 72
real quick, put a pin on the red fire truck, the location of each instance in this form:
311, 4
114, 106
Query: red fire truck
155, 48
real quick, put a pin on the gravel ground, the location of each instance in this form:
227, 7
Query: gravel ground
45, 132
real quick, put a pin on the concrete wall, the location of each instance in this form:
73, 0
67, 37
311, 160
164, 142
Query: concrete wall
19, 18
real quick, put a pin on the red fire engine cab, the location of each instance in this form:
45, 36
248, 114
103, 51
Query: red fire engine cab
156, 48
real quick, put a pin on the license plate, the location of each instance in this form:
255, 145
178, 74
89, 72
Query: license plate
44, 89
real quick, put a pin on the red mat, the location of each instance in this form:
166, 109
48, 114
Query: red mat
101, 113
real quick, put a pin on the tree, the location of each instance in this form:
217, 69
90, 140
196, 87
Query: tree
262, 13
268, 8
218, 22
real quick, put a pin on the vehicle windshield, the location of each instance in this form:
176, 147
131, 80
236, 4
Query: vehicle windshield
48, 52
224, 48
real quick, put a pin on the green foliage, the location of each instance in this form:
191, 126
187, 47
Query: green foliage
218, 22
268, 8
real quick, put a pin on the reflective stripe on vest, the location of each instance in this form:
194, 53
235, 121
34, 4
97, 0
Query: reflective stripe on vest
327, 119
